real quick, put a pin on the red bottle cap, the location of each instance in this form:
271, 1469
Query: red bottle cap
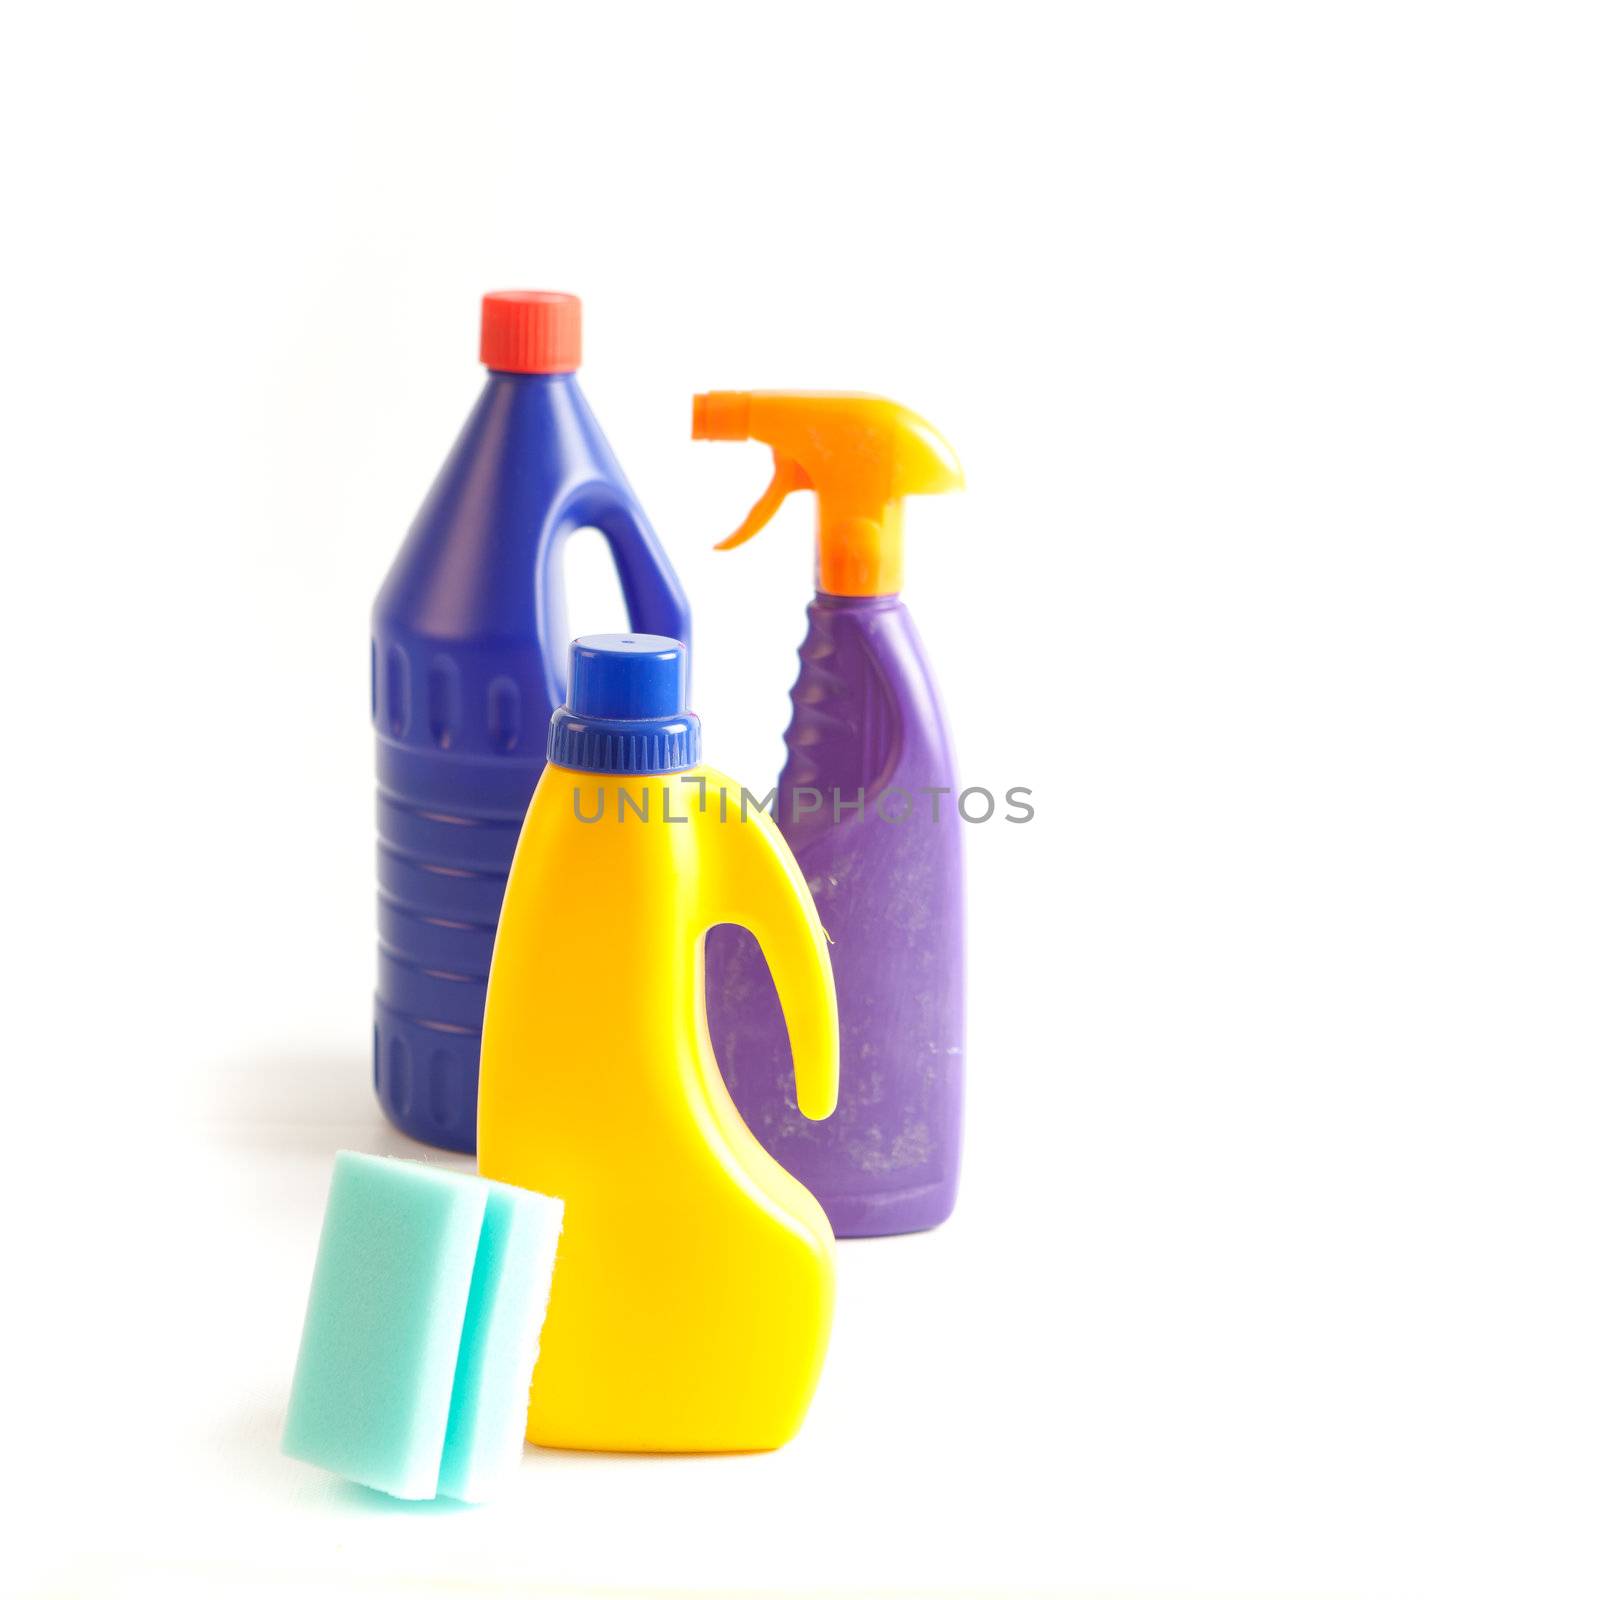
531, 330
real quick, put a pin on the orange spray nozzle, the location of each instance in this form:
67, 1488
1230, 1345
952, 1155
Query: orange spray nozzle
863, 455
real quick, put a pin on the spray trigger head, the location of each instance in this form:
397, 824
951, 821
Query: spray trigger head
860, 453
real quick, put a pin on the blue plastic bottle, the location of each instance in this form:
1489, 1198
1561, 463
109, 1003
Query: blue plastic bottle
469, 650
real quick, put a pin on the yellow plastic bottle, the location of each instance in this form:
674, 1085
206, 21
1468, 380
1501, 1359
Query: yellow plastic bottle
693, 1292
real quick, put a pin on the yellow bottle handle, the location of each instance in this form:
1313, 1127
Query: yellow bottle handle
762, 890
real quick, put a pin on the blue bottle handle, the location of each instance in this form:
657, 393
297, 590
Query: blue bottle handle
655, 602
651, 594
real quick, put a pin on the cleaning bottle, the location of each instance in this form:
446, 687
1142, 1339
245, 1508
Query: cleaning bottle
868, 802
469, 636
694, 1288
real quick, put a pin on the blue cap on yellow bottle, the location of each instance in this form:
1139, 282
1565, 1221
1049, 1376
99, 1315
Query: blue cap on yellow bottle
627, 707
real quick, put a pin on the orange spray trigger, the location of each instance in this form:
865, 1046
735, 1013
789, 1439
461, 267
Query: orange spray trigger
787, 476
861, 454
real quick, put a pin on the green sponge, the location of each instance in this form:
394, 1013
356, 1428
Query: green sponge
499, 1340
422, 1330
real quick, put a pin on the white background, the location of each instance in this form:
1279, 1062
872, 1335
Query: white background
1268, 336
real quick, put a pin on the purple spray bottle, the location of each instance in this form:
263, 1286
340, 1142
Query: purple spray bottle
867, 802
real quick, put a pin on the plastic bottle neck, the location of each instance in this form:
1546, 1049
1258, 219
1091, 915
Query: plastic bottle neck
856, 602
532, 380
